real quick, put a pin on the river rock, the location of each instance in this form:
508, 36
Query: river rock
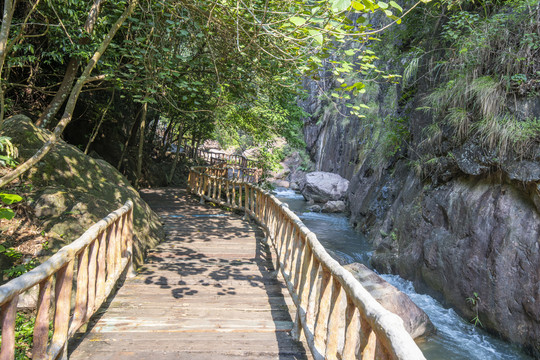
297, 180
280, 183
415, 320
315, 208
322, 187
336, 206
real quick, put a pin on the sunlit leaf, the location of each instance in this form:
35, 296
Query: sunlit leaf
10, 198
298, 21
340, 5
396, 5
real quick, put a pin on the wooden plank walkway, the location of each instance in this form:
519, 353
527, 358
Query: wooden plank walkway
207, 292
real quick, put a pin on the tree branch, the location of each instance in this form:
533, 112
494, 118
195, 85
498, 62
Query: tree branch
70, 105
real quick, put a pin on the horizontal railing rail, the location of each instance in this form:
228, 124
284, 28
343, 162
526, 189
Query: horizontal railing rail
238, 162
250, 175
337, 316
97, 259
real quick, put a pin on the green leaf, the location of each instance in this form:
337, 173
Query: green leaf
396, 5
10, 198
364, 106
298, 21
7, 214
350, 52
317, 35
369, 5
340, 5
382, 5
358, 6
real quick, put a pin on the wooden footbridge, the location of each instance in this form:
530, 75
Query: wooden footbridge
255, 284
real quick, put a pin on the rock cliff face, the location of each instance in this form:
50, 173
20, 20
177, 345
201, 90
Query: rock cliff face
468, 222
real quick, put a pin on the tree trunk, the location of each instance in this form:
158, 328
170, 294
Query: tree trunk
9, 8
96, 129
164, 142
141, 144
70, 75
176, 158
61, 95
181, 132
126, 144
71, 102
153, 130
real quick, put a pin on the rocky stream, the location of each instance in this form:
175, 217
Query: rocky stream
455, 338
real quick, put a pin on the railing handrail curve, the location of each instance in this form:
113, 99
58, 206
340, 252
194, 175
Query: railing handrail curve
60, 258
390, 340
93, 263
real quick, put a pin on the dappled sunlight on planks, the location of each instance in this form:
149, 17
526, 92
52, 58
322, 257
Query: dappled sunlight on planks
208, 291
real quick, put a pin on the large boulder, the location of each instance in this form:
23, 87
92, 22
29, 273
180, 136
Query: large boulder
322, 187
70, 191
415, 320
337, 206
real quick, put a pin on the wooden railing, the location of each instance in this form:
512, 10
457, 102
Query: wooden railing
97, 259
247, 166
337, 316
234, 173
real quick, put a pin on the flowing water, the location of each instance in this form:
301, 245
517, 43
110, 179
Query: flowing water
456, 339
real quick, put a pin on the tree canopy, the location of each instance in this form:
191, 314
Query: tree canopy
197, 68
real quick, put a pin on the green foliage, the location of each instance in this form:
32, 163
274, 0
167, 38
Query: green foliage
18, 268
459, 119
224, 70
269, 158
387, 139
10, 152
396, 132
8, 199
24, 329
506, 134
474, 301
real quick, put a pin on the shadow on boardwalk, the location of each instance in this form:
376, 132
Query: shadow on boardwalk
207, 292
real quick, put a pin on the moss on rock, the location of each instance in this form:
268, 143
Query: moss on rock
72, 191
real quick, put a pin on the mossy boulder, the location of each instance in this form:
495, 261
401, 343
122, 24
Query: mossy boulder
71, 191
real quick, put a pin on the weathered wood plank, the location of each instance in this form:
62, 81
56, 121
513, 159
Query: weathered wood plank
207, 292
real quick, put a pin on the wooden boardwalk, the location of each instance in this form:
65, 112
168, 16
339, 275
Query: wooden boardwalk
207, 292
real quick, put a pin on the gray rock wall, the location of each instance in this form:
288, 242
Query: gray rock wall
469, 224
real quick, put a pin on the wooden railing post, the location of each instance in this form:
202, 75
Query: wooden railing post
336, 315
127, 226
62, 291
97, 264
323, 308
336, 323
41, 326
9, 313
81, 297
352, 331
92, 277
